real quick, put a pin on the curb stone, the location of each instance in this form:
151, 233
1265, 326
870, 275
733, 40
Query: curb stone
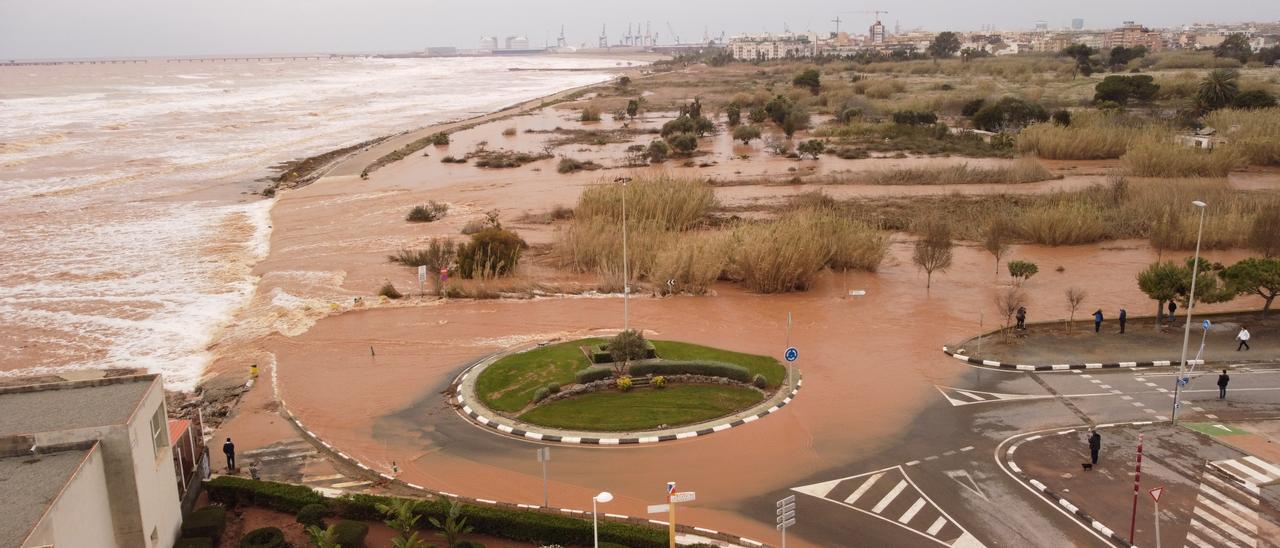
350, 460
467, 412
1061, 367
1081, 517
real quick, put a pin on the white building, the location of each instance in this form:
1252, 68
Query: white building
517, 42
87, 463
488, 43
761, 47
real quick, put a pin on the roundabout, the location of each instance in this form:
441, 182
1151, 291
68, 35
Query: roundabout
574, 392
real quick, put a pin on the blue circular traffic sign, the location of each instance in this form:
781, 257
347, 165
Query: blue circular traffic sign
791, 354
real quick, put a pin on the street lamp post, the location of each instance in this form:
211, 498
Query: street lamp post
1191, 303
626, 274
601, 498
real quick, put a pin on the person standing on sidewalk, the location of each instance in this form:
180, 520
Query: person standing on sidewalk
1243, 337
1223, 379
1022, 318
1124, 317
1097, 321
229, 449
1095, 445
1173, 308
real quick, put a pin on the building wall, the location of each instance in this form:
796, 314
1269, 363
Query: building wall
81, 516
156, 483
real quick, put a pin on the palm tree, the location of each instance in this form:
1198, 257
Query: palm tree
402, 518
454, 525
1218, 89
323, 538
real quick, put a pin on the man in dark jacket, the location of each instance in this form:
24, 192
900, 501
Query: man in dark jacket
229, 449
1173, 309
1223, 379
1097, 321
1022, 317
1124, 317
1095, 445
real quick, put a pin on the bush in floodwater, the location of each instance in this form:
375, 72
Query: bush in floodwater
1160, 158
439, 139
426, 213
785, 254
389, 291
491, 253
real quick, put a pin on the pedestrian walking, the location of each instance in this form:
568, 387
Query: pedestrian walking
229, 449
1124, 317
254, 470
1097, 321
1022, 317
1173, 308
1243, 337
1223, 379
1095, 445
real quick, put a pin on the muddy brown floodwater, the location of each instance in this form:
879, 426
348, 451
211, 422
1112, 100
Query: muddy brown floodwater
367, 377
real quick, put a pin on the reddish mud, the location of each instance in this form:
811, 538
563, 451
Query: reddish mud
366, 376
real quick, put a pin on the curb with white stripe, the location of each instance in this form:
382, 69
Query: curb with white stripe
468, 412
1061, 366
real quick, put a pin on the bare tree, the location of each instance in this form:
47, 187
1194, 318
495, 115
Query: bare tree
933, 249
995, 239
1008, 301
1075, 296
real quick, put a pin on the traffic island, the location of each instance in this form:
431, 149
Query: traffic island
1056, 346
568, 392
1197, 499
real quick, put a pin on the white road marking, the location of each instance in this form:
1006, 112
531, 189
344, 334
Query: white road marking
970, 395
937, 526
1193, 539
1245, 470
348, 484
911, 512
888, 497
862, 489
1197, 525
1266, 466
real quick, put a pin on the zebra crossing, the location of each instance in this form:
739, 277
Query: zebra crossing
297, 461
1226, 513
891, 496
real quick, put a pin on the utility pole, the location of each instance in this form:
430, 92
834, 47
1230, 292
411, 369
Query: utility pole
1186, 331
626, 273
837, 22
544, 456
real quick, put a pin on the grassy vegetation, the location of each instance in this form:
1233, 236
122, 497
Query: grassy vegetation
785, 254
929, 139
1120, 209
499, 159
1255, 134
644, 408
1023, 171
509, 383
570, 165
769, 367
1163, 158
670, 203
1091, 136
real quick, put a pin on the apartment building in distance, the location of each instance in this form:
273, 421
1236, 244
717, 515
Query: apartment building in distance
1132, 35
764, 47
87, 463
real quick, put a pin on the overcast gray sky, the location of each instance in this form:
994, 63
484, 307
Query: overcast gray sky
117, 28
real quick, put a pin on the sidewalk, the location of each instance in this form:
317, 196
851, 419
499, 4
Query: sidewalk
1203, 504
1049, 343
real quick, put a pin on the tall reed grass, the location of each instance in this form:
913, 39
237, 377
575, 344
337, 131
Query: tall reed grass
1255, 134
786, 254
1155, 157
1091, 136
1025, 170
670, 203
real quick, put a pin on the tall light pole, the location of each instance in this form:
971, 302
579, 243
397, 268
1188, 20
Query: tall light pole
626, 273
1191, 303
602, 498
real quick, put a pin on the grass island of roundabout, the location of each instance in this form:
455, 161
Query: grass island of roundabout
626, 383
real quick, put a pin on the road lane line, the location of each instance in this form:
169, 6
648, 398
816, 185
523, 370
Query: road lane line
937, 526
970, 395
1199, 525
862, 489
1245, 470
911, 512
1237, 519
1275, 471
888, 498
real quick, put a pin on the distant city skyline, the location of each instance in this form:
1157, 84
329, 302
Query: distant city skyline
137, 28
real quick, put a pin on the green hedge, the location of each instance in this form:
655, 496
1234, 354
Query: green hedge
517, 525
350, 534
266, 537
600, 352
593, 373
206, 522
282, 497
706, 368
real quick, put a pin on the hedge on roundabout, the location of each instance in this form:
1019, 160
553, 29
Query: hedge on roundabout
517, 384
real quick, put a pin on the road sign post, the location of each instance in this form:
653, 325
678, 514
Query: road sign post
671, 514
544, 456
1137, 482
1155, 495
422, 278
786, 516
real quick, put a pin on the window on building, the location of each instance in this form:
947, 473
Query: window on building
159, 430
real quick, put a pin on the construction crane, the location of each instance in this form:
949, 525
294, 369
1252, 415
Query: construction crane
604, 37
876, 12
837, 22
673, 33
